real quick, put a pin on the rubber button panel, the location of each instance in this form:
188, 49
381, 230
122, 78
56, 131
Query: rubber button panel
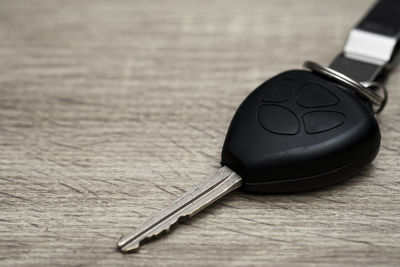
313, 95
285, 147
321, 121
279, 91
278, 119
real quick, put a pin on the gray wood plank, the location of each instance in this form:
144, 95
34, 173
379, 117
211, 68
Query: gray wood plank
111, 109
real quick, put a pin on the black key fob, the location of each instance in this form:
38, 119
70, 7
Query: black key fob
299, 131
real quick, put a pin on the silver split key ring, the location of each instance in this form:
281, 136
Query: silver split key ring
367, 89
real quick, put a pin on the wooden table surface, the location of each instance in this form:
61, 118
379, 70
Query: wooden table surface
109, 110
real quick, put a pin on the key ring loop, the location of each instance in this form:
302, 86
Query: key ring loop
365, 89
375, 87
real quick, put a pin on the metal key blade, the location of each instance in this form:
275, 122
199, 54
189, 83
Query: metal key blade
223, 182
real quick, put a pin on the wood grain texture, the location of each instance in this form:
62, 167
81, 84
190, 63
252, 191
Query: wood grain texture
111, 109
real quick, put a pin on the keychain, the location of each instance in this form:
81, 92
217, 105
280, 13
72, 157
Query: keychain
302, 129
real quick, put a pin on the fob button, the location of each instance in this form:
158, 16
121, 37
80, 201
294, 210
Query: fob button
314, 95
278, 92
278, 119
321, 121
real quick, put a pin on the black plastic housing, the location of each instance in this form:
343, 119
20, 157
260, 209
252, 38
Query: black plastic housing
299, 131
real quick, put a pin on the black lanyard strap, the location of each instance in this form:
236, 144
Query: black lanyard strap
372, 47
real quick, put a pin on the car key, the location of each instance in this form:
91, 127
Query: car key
298, 131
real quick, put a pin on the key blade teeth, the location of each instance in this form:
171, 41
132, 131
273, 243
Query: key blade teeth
131, 244
126, 239
183, 208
